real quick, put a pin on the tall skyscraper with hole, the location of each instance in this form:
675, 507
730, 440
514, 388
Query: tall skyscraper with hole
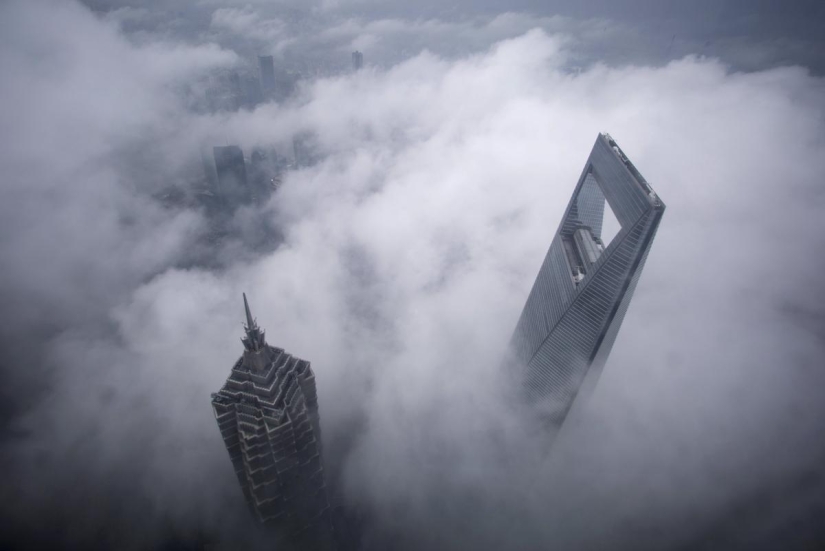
585, 284
267, 413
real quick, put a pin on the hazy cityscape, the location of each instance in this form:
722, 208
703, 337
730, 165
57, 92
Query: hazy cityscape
362, 275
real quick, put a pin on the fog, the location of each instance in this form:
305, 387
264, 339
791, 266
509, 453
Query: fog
398, 264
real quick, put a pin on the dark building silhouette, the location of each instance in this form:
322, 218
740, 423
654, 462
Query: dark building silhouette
584, 286
238, 90
267, 66
265, 172
357, 60
245, 89
267, 413
230, 169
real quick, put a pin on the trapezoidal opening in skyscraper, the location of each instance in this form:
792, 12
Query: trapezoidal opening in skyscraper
578, 301
589, 227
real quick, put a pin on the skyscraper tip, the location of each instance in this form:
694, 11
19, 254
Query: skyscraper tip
254, 339
250, 323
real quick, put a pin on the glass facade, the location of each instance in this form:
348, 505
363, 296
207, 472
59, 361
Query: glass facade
578, 301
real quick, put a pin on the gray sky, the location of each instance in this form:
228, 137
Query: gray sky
408, 252
748, 34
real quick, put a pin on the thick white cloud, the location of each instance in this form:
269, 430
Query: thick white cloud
409, 250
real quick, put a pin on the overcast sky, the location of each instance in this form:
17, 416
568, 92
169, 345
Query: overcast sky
408, 251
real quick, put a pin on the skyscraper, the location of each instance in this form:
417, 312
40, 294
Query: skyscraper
267, 413
244, 90
265, 167
357, 60
230, 168
267, 65
585, 283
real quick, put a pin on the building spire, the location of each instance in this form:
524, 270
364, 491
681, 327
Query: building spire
250, 323
254, 339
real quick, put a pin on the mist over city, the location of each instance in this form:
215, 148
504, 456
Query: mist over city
383, 181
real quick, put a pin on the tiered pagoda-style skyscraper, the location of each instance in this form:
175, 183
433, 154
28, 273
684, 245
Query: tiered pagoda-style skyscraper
584, 286
267, 413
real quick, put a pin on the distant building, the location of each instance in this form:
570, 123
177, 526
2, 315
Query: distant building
357, 60
265, 172
267, 66
245, 89
232, 184
584, 286
207, 155
267, 413
304, 150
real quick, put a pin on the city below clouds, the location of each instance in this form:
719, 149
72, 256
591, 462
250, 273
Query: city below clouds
397, 259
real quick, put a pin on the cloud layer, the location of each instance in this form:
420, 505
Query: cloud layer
408, 252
